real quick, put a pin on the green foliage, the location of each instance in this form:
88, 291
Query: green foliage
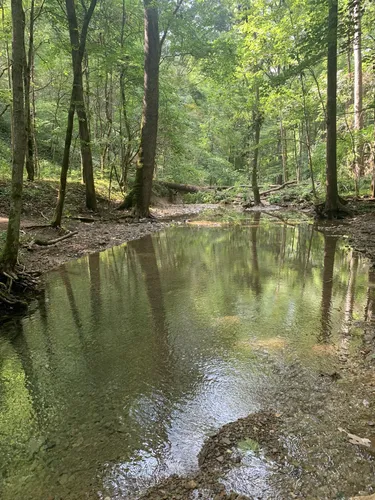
214, 56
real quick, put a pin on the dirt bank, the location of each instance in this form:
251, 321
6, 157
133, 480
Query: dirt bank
91, 234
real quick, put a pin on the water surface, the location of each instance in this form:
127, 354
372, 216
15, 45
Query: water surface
135, 355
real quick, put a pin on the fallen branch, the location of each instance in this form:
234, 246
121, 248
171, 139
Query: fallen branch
84, 219
37, 226
185, 188
278, 188
57, 240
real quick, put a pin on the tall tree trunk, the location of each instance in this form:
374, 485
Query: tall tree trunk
9, 65
284, 152
10, 252
78, 43
78, 50
56, 222
257, 124
332, 204
150, 115
308, 135
296, 159
29, 62
358, 88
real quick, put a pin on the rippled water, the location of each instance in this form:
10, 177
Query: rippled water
135, 355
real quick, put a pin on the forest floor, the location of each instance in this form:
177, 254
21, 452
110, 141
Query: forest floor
91, 232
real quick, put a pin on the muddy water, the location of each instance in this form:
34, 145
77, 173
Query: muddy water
135, 355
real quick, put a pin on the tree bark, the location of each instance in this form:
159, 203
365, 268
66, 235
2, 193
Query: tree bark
10, 252
78, 43
257, 124
150, 115
29, 62
78, 50
332, 197
284, 151
358, 89
56, 222
308, 135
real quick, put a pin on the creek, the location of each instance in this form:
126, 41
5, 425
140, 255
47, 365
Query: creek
134, 356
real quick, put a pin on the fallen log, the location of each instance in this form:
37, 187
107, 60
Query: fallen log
46, 243
185, 188
189, 188
278, 188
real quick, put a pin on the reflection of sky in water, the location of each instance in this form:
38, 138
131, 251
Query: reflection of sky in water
136, 355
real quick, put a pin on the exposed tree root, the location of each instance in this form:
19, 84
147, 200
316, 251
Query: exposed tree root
17, 288
326, 211
128, 202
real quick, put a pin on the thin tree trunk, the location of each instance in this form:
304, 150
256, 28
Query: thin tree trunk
29, 62
78, 50
284, 153
10, 252
358, 89
332, 198
373, 151
56, 222
296, 159
308, 137
257, 123
33, 108
9, 65
78, 42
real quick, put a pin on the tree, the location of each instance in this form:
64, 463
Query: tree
332, 204
257, 125
150, 115
358, 91
77, 103
10, 252
140, 196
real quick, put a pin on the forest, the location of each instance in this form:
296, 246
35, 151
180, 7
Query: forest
187, 249
206, 93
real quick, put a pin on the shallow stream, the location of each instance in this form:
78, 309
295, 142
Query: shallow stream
134, 356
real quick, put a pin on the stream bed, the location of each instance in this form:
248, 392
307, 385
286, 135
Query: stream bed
133, 357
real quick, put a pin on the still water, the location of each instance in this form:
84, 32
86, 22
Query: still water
135, 355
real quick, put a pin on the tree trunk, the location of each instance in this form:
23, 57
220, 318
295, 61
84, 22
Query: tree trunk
284, 152
10, 252
56, 222
257, 124
78, 43
78, 50
296, 159
308, 136
358, 89
30, 160
146, 164
332, 199
9, 65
